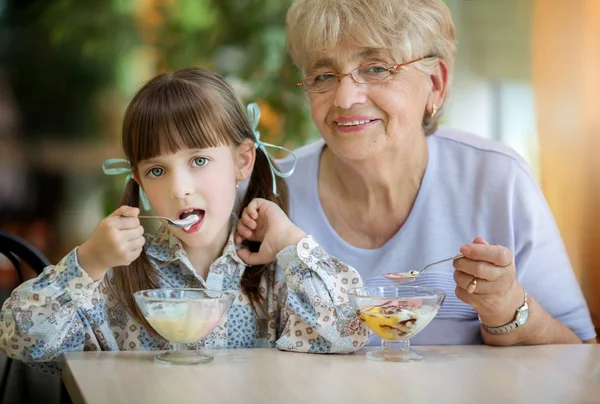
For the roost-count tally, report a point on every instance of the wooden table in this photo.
(448, 374)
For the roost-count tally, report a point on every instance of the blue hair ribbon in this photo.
(254, 115)
(108, 170)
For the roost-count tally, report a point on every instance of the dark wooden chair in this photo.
(18, 251)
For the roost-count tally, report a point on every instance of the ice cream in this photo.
(182, 329)
(396, 320)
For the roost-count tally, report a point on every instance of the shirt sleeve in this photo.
(316, 314)
(41, 318)
(543, 266)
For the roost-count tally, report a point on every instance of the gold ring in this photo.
(472, 285)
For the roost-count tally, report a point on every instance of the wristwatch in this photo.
(519, 321)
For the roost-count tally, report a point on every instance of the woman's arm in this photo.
(541, 328)
(538, 264)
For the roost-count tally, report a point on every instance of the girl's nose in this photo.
(181, 186)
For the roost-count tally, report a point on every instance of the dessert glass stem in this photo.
(180, 355)
(395, 351)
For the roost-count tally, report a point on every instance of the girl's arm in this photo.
(44, 316)
(316, 315)
(41, 318)
(315, 312)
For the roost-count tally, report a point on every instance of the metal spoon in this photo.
(400, 277)
(185, 223)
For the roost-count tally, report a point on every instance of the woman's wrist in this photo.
(507, 313)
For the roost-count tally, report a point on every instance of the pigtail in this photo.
(139, 275)
(261, 186)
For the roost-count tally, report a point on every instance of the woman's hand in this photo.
(116, 241)
(264, 221)
(486, 280)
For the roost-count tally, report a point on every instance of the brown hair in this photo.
(409, 29)
(188, 108)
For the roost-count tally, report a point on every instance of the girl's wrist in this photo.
(86, 262)
(291, 238)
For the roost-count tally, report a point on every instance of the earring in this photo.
(237, 185)
(434, 110)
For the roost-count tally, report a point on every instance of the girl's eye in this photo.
(156, 172)
(200, 161)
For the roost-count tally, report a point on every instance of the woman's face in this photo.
(358, 121)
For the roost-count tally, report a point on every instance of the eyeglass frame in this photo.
(340, 76)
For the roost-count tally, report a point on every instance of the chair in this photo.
(18, 250)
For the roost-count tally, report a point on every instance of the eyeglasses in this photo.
(322, 83)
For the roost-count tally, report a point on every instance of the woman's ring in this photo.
(472, 285)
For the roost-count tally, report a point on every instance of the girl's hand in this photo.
(116, 241)
(264, 221)
(486, 280)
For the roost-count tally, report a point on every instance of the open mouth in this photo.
(197, 212)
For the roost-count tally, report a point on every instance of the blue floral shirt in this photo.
(308, 309)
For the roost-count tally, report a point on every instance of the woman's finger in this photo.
(480, 269)
(494, 254)
(472, 284)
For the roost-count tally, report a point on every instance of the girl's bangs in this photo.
(171, 118)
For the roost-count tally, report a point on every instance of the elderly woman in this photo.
(387, 190)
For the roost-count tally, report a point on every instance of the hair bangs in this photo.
(170, 116)
(408, 29)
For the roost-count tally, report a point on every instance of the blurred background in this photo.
(526, 75)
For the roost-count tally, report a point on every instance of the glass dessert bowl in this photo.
(396, 313)
(182, 317)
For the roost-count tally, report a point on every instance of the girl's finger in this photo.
(247, 221)
(251, 258)
(129, 235)
(252, 209)
(244, 231)
(137, 244)
(237, 238)
(126, 210)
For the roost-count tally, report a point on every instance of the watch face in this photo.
(522, 316)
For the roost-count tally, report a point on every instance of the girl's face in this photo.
(197, 181)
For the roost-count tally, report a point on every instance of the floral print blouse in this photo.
(307, 308)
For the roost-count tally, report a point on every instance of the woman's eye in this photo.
(324, 77)
(377, 69)
(200, 161)
(156, 172)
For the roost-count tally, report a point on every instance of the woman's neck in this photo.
(202, 258)
(368, 201)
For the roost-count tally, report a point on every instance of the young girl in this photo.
(189, 144)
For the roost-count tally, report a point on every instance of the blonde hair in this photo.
(409, 29)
